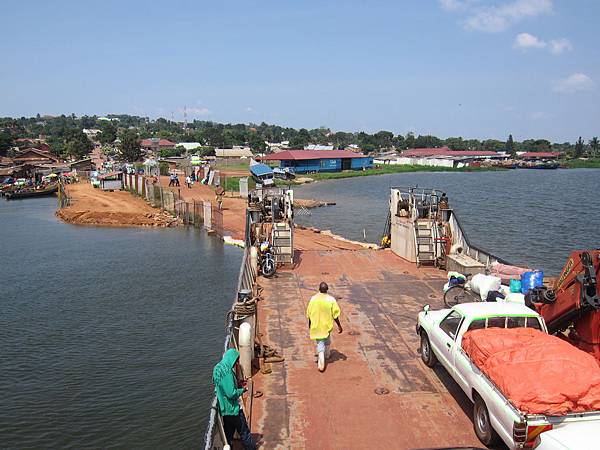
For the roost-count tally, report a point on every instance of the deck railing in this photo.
(459, 236)
(417, 197)
(214, 438)
(63, 198)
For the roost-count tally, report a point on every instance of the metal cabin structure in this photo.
(424, 229)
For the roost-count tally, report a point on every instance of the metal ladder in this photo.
(283, 248)
(424, 241)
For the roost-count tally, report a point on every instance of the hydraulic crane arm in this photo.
(577, 304)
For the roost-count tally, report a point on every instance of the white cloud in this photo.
(249, 109)
(559, 46)
(493, 19)
(525, 41)
(573, 83)
(451, 5)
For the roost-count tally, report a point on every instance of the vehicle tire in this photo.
(481, 424)
(427, 355)
(268, 268)
(455, 295)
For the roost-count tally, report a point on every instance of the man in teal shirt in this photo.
(228, 394)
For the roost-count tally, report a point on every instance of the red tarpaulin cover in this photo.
(538, 373)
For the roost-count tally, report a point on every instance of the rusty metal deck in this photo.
(380, 295)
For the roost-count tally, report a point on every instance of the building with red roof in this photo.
(303, 161)
(156, 144)
(540, 155)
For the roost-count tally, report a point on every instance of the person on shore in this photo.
(176, 180)
(321, 312)
(228, 394)
(219, 194)
(188, 182)
(172, 180)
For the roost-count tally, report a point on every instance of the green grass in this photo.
(232, 165)
(387, 169)
(232, 184)
(592, 163)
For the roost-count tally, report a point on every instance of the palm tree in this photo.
(594, 144)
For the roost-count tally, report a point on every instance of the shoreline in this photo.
(390, 169)
(94, 207)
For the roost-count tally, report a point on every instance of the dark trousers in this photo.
(238, 423)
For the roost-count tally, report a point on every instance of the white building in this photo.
(189, 146)
(318, 147)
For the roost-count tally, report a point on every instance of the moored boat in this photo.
(32, 192)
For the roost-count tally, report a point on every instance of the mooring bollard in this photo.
(246, 349)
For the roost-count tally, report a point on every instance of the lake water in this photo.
(107, 335)
(532, 217)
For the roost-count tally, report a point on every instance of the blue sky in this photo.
(471, 68)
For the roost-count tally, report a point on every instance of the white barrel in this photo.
(254, 259)
(246, 349)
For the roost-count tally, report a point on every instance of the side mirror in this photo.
(426, 309)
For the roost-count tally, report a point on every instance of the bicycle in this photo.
(460, 293)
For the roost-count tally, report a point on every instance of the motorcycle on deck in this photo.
(266, 260)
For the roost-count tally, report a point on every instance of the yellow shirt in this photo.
(322, 310)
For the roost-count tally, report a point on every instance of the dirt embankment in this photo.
(91, 206)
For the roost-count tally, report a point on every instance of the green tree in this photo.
(207, 151)
(510, 147)
(493, 145)
(130, 146)
(578, 153)
(108, 133)
(77, 144)
(399, 142)
(170, 152)
(301, 139)
(594, 145)
(409, 140)
(257, 143)
(6, 142)
(427, 141)
(455, 143)
(384, 139)
(57, 145)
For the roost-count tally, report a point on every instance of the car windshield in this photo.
(505, 322)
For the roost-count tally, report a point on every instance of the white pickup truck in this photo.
(494, 417)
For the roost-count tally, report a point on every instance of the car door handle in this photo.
(448, 344)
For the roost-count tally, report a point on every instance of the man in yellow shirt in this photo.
(322, 311)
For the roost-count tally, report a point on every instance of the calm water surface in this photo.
(107, 335)
(533, 217)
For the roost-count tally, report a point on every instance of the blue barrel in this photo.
(530, 280)
(515, 286)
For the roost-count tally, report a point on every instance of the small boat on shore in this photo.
(32, 192)
(261, 173)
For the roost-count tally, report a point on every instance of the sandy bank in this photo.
(91, 206)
